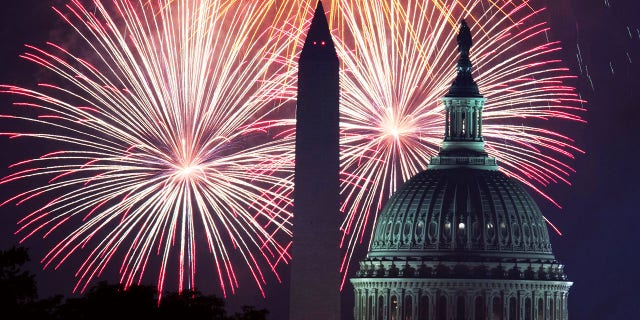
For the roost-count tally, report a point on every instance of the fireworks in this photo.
(176, 129)
(171, 143)
(398, 62)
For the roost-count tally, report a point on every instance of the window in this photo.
(460, 308)
(419, 232)
(513, 308)
(423, 308)
(540, 309)
(527, 309)
(408, 307)
(393, 308)
(447, 230)
(441, 309)
(497, 311)
(481, 312)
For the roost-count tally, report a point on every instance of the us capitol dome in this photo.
(461, 240)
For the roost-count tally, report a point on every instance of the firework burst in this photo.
(175, 129)
(170, 142)
(398, 62)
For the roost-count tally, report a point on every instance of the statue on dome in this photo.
(464, 39)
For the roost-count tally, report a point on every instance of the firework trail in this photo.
(399, 60)
(171, 141)
(621, 33)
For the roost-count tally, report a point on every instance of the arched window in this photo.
(380, 315)
(408, 307)
(513, 308)
(540, 309)
(552, 310)
(441, 309)
(527, 309)
(481, 312)
(393, 308)
(369, 308)
(497, 311)
(423, 308)
(460, 308)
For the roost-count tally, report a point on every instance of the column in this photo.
(480, 122)
(458, 122)
(447, 121)
(469, 120)
(357, 309)
(476, 124)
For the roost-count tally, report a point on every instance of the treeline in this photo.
(19, 300)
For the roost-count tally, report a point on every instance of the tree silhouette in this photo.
(19, 300)
(18, 290)
(112, 301)
(250, 313)
(192, 305)
(19, 286)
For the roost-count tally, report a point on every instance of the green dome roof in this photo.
(461, 214)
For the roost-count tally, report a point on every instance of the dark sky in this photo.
(599, 218)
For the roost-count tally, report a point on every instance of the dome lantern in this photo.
(463, 144)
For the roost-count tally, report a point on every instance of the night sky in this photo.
(599, 216)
